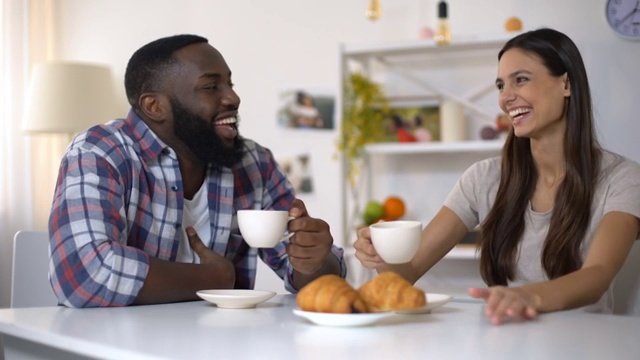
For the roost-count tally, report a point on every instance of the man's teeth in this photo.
(519, 111)
(231, 120)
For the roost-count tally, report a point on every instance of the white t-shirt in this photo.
(618, 189)
(195, 213)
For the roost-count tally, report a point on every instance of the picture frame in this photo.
(298, 168)
(308, 109)
(417, 117)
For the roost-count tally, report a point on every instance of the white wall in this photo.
(279, 44)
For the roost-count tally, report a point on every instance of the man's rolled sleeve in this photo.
(90, 264)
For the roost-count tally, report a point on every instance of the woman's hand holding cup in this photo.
(390, 242)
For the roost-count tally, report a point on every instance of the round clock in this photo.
(624, 18)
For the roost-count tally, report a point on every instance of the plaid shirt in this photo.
(119, 200)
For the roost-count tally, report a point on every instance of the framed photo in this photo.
(417, 118)
(298, 170)
(306, 109)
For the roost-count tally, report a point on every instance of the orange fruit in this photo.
(393, 208)
(513, 24)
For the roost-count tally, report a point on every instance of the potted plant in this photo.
(365, 108)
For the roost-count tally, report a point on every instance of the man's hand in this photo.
(170, 281)
(225, 270)
(207, 256)
(310, 247)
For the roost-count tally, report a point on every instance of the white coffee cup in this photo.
(263, 228)
(396, 241)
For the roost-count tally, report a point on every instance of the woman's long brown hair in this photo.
(502, 230)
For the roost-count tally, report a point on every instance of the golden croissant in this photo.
(390, 291)
(331, 294)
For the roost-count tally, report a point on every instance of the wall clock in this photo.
(623, 17)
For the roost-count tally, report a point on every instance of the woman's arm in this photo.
(607, 253)
(611, 245)
(441, 234)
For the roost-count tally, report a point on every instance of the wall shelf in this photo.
(459, 252)
(435, 147)
(462, 252)
(363, 52)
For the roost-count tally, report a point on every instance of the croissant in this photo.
(390, 291)
(332, 294)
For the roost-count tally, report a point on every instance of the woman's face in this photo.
(532, 97)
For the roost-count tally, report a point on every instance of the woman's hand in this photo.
(365, 252)
(504, 304)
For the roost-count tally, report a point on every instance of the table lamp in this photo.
(68, 97)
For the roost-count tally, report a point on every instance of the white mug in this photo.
(263, 228)
(396, 241)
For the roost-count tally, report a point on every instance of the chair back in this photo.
(30, 286)
(626, 286)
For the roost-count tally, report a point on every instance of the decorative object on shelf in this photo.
(489, 133)
(623, 16)
(392, 208)
(513, 24)
(502, 127)
(443, 33)
(412, 121)
(373, 212)
(453, 126)
(364, 110)
(373, 10)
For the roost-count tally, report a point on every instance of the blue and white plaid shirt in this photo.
(119, 200)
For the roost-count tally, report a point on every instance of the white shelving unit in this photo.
(422, 69)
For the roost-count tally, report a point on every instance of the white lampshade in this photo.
(68, 97)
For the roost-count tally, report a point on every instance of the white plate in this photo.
(433, 301)
(237, 298)
(331, 319)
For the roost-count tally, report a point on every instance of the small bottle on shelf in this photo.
(443, 34)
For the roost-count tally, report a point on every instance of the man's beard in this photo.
(196, 133)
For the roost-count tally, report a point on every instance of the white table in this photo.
(199, 330)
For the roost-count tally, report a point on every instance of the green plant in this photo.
(364, 110)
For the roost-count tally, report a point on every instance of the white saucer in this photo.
(236, 298)
(332, 319)
(433, 301)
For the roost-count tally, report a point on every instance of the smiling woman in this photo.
(557, 212)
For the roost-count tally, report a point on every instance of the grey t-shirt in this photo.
(618, 189)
